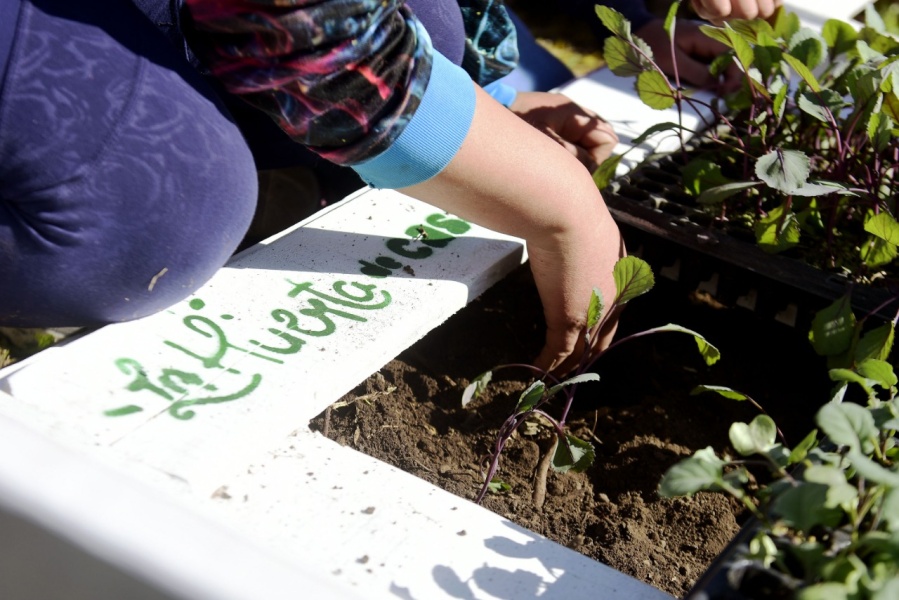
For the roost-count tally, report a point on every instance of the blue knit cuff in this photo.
(503, 93)
(432, 136)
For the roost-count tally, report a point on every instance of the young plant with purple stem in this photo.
(805, 155)
(633, 277)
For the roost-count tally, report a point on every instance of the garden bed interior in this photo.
(640, 417)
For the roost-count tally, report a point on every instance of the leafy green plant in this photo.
(805, 155)
(633, 277)
(826, 523)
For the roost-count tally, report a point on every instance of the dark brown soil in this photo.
(640, 417)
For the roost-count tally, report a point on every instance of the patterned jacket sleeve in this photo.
(342, 77)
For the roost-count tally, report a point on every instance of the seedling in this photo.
(633, 277)
(827, 524)
(805, 155)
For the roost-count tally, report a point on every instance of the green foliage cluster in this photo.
(633, 277)
(806, 152)
(828, 519)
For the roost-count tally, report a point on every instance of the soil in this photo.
(640, 417)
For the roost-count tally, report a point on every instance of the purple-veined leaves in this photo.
(614, 21)
(655, 91)
(784, 170)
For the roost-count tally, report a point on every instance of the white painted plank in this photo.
(135, 528)
(308, 519)
(208, 380)
(384, 530)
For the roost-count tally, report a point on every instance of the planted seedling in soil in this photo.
(633, 277)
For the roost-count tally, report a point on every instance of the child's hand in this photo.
(580, 131)
(511, 178)
(718, 11)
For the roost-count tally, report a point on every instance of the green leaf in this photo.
(702, 471)
(603, 176)
(734, 40)
(658, 128)
(822, 188)
(822, 105)
(877, 252)
(839, 36)
(756, 437)
(571, 381)
(804, 506)
(726, 392)
(709, 353)
(777, 231)
(802, 448)
(867, 54)
(890, 509)
(622, 58)
(891, 104)
(807, 46)
(633, 277)
(850, 376)
(884, 226)
(477, 387)
(670, 18)
(573, 454)
(498, 486)
(719, 193)
(873, 19)
(780, 98)
(786, 23)
(700, 174)
(831, 590)
(889, 591)
(752, 30)
(594, 310)
(839, 491)
(833, 328)
(803, 71)
(655, 91)
(876, 343)
(870, 470)
(878, 371)
(530, 397)
(614, 21)
(784, 170)
(847, 424)
(879, 129)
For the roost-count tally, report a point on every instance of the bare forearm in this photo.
(509, 177)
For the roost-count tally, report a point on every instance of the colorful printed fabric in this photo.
(342, 77)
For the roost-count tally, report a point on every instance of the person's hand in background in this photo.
(718, 11)
(579, 130)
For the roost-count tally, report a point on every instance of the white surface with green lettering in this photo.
(199, 416)
(277, 335)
